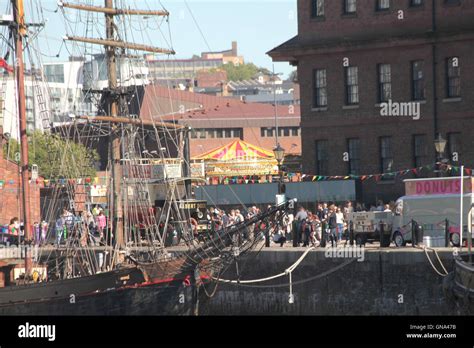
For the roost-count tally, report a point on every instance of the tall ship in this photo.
(147, 260)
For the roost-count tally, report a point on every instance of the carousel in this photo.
(238, 159)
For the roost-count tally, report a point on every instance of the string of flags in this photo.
(377, 177)
(394, 175)
(254, 179)
(53, 182)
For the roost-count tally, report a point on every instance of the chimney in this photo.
(225, 92)
(234, 48)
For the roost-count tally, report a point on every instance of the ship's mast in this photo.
(112, 103)
(19, 31)
(112, 96)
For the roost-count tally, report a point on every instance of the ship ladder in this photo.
(42, 105)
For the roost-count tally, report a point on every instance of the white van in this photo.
(430, 202)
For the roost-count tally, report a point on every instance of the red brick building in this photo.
(10, 191)
(217, 121)
(352, 56)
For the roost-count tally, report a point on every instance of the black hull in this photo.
(101, 295)
(152, 300)
(459, 286)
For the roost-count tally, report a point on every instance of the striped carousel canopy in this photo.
(236, 150)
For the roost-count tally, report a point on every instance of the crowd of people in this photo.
(303, 227)
(327, 224)
(89, 225)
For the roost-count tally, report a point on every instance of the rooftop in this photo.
(163, 103)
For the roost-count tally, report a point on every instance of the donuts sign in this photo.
(447, 186)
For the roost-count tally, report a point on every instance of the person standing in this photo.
(44, 232)
(340, 223)
(348, 209)
(289, 225)
(59, 229)
(37, 230)
(332, 222)
(323, 217)
(101, 224)
(300, 217)
(317, 227)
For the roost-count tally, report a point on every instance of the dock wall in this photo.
(387, 282)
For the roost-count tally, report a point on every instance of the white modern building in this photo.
(131, 71)
(9, 103)
(64, 89)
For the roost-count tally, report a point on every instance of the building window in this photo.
(383, 5)
(454, 146)
(418, 80)
(322, 157)
(386, 156)
(385, 82)
(350, 6)
(352, 85)
(353, 146)
(453, 76)
(320, 88)
(317, 8)
(267, 132)
(419, 150)
(198, 134)
(238, 133)
(415, 3)
(54, 73)
(282, 132)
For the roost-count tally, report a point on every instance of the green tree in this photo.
(240, 72)
(293, 77)
(55, 157)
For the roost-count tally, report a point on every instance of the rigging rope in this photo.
(286, 272)
(425, 249)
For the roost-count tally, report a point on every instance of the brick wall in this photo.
(368, 22)
(367, 39)
(10, 193)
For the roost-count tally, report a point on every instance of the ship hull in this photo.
(459, 285)
(124, 292)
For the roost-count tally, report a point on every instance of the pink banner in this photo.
(437, 187)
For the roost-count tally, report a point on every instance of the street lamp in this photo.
(279, 153)
(440, 145)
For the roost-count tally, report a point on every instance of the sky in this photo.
(195, 26)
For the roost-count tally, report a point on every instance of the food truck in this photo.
(371, 227)
(434, 204)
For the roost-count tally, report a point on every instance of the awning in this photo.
(237, 150)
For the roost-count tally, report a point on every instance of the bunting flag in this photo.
(377, 177)
(4, 65)
(289, 177)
